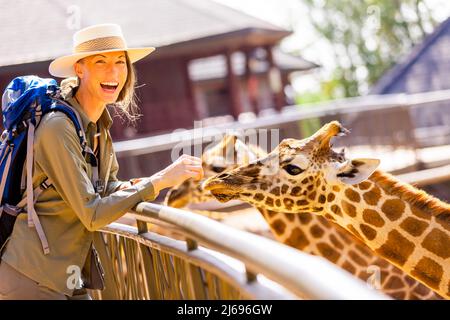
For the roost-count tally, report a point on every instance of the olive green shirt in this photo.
(70, 211)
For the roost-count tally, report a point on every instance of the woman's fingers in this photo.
(186, 159)
(191, 162)
(183, 168)
(191, 157)
(195, 174)
(193, 167)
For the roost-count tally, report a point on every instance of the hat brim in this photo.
(62, 67)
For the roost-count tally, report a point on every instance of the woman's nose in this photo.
(113, 70)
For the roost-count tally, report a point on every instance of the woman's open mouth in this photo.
(109, 87)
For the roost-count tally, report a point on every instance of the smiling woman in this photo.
(82, 192)
(107, 78)
(111, 66)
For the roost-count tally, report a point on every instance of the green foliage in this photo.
(367, 37)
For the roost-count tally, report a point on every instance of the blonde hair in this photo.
(125, 106)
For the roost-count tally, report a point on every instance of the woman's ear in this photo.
(358, 170)
(78, 69)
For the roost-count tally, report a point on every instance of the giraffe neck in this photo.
(315, 235)
(405, 226)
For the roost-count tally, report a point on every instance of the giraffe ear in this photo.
(358, 170)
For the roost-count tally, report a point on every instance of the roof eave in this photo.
(215, 44)
(392, 74)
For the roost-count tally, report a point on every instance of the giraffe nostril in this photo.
(223, 175)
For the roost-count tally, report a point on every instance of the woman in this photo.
(72, 208)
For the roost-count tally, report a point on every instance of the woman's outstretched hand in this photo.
(183, 168)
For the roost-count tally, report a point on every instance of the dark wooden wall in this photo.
(165, 98)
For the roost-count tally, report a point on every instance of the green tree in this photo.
(368, 36)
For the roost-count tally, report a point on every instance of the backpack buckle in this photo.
(14, 132)
(45, 185)
(99, 186)
(11, 210)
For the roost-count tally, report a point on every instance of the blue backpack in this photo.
(24, 102)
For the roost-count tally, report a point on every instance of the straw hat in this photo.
(94, 40)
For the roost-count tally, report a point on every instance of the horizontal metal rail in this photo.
(427, 176)
(304, 275)
(205, 259)
(289, 114)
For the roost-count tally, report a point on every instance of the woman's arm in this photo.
(114, 183)
(58, 153)
(168, 177)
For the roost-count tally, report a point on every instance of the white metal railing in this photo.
(426, 176)
(304, 275)
(228, 270)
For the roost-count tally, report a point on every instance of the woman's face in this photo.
(103, 75)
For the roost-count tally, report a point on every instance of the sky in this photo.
(293, 15)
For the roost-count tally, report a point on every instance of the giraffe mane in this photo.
(416, 197)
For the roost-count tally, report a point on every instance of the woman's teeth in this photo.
(109, 86)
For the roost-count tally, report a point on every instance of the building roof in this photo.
(426, 68)
(215, 67)
(41, 30)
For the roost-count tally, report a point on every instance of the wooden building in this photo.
(424, 69)
(210, 61)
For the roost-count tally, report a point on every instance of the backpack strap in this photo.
(34, 193)
(47, 183)
(33, 219)
(6, 169)
(87, 151)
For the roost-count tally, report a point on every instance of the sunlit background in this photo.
(298, 15)
(274, 69)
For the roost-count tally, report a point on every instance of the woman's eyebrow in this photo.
(104, 57)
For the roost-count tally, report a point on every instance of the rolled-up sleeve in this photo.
(114, 183)
(58, 153)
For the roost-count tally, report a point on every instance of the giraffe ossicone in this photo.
(402, 224)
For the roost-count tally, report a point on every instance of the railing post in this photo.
(284, 265)
(142, 227)
(191, 244)
(250, 276)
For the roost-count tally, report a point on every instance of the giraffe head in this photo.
(297, 176)
(228, 154)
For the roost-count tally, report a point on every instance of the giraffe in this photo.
(320, 235)
(400, 223)
(224, 155)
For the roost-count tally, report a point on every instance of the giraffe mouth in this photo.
(177, 200)
(223, 195)
(221, 191)
(178, 197)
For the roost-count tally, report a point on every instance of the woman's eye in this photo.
(293, 170)
(121, 62)
(218, 169)
(100, 61)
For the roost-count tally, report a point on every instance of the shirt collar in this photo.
(105, 118)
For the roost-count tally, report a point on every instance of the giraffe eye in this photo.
(292, 170)
(218, 169)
